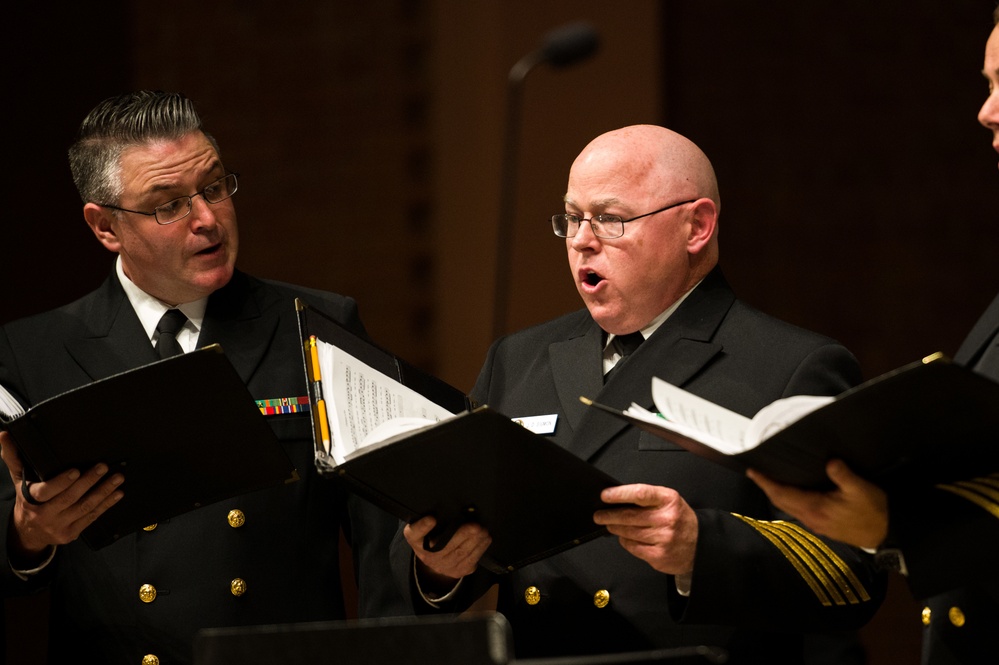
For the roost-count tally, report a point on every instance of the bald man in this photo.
(700, 559)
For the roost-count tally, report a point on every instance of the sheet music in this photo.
(725, 429)
(10, 408)
(360, 398)
(778, 415)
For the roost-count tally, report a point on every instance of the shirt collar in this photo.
(150, 309)
(659, 320)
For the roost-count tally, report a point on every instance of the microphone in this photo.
(562, 47)
(570, 43)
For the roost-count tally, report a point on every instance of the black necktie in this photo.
(171, 321)
(625, 345)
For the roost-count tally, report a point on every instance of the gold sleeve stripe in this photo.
(980, 486)
(836, 586)
(807, 557)
(834, 564)
(983, 492)
(991, 480)
(793, 560)
(825, 573)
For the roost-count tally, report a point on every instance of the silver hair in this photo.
(132, 119)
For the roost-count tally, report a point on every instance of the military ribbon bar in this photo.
(279, 405)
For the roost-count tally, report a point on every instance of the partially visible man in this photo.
(699, 556)
(157, 194)
(947, 542)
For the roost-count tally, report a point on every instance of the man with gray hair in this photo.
(156, 193)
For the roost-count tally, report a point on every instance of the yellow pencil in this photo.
(320, 410)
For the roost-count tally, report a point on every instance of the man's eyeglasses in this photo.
(180, 207)
(604, 226)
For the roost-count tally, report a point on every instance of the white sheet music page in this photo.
(777, 415)
(699, 418)
(359, 398)
(10, 408)
(725, 430)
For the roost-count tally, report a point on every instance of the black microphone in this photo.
(570, 43)
(562, 47)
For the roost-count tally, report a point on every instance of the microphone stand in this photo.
(563, 46)
(508, 185)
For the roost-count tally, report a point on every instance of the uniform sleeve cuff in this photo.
(433, 601)
(24, 574)
(682, 583)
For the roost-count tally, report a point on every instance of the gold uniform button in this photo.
(956, 616)
(532, 595)
(927, 615)
(236, 518)
(601, 598)
(150, 659)
(237, 587)
(151, 527)
(147, 593)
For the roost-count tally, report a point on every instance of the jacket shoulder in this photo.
(569, 325)
(75, 318)
(747, 320)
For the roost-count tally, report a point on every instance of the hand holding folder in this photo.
(471, 464)
(855, 512)
(153, 424)
(928, 422)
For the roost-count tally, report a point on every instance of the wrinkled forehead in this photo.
(166, 164)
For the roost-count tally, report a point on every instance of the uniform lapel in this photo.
(680, 349)
(116, 341)
(576, 368)
(235, 319)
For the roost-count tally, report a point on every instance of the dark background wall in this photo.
(859, 192)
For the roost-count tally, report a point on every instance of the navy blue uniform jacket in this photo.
(286, 552)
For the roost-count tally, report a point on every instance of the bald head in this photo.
(664, 188)
(656, 159)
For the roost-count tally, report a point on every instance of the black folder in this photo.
(315, 322)
(184, 431)
(535, 497)
(929, 422)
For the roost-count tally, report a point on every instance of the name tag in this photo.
(539, 424)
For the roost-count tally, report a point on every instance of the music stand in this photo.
(474, 640)
(479, 639)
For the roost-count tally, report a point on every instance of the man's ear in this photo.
(104, 225)
(703, 225)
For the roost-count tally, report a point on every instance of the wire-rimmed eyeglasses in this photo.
(604, 226)
(180, 207)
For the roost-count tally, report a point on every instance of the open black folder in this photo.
(534, 497)
(928, 422)
(184, 431)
